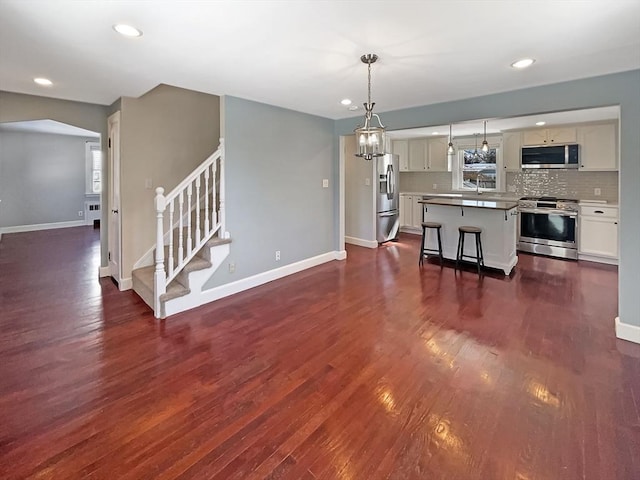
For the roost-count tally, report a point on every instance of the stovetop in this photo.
(552, 203)
(549, 199)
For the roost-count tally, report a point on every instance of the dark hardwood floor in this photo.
(371, 368)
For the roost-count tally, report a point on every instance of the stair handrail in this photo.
(214, 220)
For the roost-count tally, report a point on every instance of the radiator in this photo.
(91, 212)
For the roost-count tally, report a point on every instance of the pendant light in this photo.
(370, 139)
(450, 150)
(485, 144)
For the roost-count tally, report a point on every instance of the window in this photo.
(477, 170)
(94, 168)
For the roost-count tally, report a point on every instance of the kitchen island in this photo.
(498, 220)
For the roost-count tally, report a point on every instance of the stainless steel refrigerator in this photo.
(387, 197)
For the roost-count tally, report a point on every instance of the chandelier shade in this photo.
(370, 139)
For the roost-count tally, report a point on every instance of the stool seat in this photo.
(431, 224)
(423, 250)
(460, 255)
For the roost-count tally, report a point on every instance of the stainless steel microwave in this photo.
(551, 156)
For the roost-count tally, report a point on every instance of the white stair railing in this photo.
(206, 184)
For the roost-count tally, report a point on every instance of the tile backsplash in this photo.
(536, 183)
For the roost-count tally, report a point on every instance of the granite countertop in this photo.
(468, 196)
(461, 202)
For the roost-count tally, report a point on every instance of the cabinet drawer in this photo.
(596, 211)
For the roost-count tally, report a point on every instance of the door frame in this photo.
(114, 237)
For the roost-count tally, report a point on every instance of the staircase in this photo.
(192, 246)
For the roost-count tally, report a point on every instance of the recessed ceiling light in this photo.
(353, 107)
(434, 133)
(541, 123)
(127, 30)
(524, 63)
(45, 82)
(345, 101)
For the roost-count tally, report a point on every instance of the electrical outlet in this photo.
(80, 213)
(325, 183)
(435, 186)
(367, 182)
(277, 255)
(597, 192)
(232, 267)
(148, 183)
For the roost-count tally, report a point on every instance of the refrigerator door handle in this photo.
(393, 214)
(390, 181)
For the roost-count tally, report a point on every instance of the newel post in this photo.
(159, 276)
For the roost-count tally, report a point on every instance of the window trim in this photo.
(91, 146)
(458, 160)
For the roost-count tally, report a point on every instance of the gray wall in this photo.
(617, 89)
(164, 135)
(359, 200)
(42, 178)
(275, 161)
(15, 107)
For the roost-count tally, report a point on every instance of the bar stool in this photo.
(424, 250)
(479, 258)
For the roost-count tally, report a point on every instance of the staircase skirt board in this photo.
(199, 297)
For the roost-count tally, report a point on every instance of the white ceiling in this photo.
(304, 54)
(47, 126)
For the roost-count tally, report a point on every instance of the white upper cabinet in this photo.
(437, 154)
(549, 136)
(427, 155)
(512, 146)
(598, 150)
(401, 148)
(418, 148)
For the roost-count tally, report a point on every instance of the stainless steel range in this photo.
(548, 226)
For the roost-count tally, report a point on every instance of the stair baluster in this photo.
(189, 240)
(170, 263)
(198, 209)
(206, 202)
(180, 228)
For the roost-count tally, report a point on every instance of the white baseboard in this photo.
(361, 242)
(594, 258)
(340, 254)
(628, 332)
(41, 226)
(265, 277)
(104, 272)
(125, 284)
(412, 230)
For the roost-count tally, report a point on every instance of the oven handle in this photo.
(563, 213)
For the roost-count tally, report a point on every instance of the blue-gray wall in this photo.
(275, 161)
(42, 178)
(617, 89)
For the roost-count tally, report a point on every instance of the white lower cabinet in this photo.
(598, 240)
(411, 213)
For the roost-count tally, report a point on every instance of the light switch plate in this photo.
(148, 183)
(325, 183)
(367, 181)
(597, 192)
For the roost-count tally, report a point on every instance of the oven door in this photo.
(557, 228)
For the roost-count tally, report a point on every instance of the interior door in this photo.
(114, 239)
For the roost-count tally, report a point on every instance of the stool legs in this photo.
(424, 250)
(424, 237)
(479, 253)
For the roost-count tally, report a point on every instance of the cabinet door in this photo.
(598, 147)
(561, 135)
(417, 212)
(418, 154)
(512, 147)
(534, 137)
(598, 236)
(437, 154)
(401, 148)
(406, 212)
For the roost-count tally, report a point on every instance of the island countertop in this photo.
(459, 202)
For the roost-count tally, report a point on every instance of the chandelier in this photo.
(370, 139)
